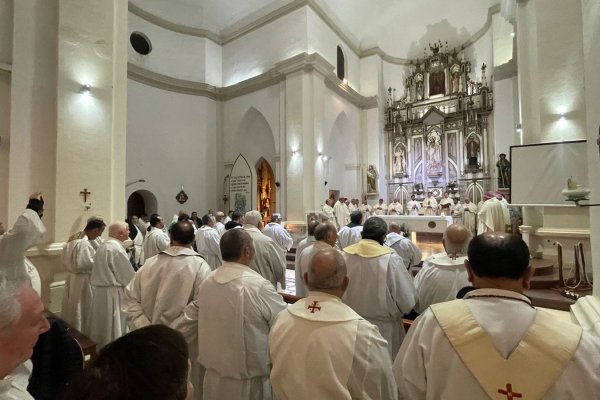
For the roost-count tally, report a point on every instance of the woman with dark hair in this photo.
(150, 363)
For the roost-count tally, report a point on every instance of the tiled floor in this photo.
(428, 244)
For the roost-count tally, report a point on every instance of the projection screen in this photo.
(539, 172)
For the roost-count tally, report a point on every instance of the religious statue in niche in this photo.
(472, 152)
(399, 165)
(434, 154)
(503, 171)
(419, 87)
(455, 81)
(371, 179)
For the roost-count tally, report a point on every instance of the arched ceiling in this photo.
(401, 28)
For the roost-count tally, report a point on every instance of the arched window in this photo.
(341, 64)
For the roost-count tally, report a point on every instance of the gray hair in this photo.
(10, 307)
(252, 217)
(329, 273)
(116, 227)
(323, 230)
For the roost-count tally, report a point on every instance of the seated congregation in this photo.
(190, 324)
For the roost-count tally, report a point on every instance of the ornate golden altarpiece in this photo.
(438, 130)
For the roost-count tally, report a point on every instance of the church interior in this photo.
(111, 106)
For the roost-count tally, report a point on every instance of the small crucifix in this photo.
(314, 307)
(85, 194)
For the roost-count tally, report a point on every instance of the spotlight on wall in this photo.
(562, 115)
(325, 158)
(294, 152)
(512, 34)
(345, 81)
(85, 89)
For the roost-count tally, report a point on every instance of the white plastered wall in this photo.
(257, 51)
(323, 40)
(171, 141)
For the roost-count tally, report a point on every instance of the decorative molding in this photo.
(228, 34)
(172, 26)
(50, 249)
(352, 167)
(505, 71)
(232, 33)
(568, 233)
(586, 312)
(6, 67)
(302, 62)
(165, 82)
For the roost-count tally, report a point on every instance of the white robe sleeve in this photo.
(84, 257)
(270, 302)
(122, 269)
(25, 233)
(371, 375)
(400, 284)
(409, 365)
(132, 305)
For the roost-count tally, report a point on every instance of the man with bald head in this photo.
(493, 343)
(325, 341)
(410, 253)
(444, 274)
(268, 258)
(325, 237)
(111, 273)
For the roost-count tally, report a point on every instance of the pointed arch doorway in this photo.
(266, 193)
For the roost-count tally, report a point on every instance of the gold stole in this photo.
(531, 369)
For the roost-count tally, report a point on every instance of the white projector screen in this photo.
(540, 171)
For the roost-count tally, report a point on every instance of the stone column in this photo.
(90, 138)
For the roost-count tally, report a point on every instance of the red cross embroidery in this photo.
(510, 395)
(314, 307)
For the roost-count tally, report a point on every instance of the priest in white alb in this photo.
(236, 309)
(268, 259)
(366, 209)
(329, 212)
(156, 239)
(78, 258)
(350, 233)
(395, 208)
(470, 215)
(323, 340)
(165, 289)
(25, 233)
(413, 206)
(381, 290)
(445, 205)
(493, 344)
(207, 242)
(279, 234)
(491, 216)
(341, 212)
(326, 237)
(403, 246)
(430, 205)
(457, 210)
(380, 208)
(111, 273)
(444, 274)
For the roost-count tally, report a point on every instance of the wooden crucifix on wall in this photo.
(85, 194)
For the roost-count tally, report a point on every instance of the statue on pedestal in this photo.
(503, 171)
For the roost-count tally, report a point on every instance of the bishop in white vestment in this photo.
(491, 216)
(445, 205)
(458, 211)
(323, 340)
(380, 208)
(395, 208)
(329, 212)
(470, 215)
(341, 212)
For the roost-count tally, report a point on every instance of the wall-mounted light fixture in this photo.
(85, 89)
(294, 152)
